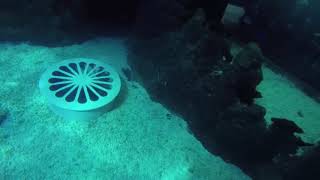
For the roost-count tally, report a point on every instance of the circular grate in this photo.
(80, 84)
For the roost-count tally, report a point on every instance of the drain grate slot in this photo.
(82, 96)
(72, 96)
(58, 86)
(65, 69)
(63, 74)
(63, 92)
(100, 91)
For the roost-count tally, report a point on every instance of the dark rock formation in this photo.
(240, 134)
(284, 126)
(243, 128)
(281, 138)
(187, 70)
(192, 72)
(248, 62)
(157, 16)
(305, 166)
(288, 33)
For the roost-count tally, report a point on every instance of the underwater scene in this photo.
(160, 89)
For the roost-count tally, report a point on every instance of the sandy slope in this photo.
(138, 140)
(283, 99)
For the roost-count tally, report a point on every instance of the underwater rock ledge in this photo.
(192, 72)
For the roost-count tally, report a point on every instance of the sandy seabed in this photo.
(284, 99)
(138, 140)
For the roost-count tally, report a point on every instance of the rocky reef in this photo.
(191, 71)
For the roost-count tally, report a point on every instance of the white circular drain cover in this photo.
(80, 84)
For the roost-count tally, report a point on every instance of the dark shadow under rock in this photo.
(305, 166)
